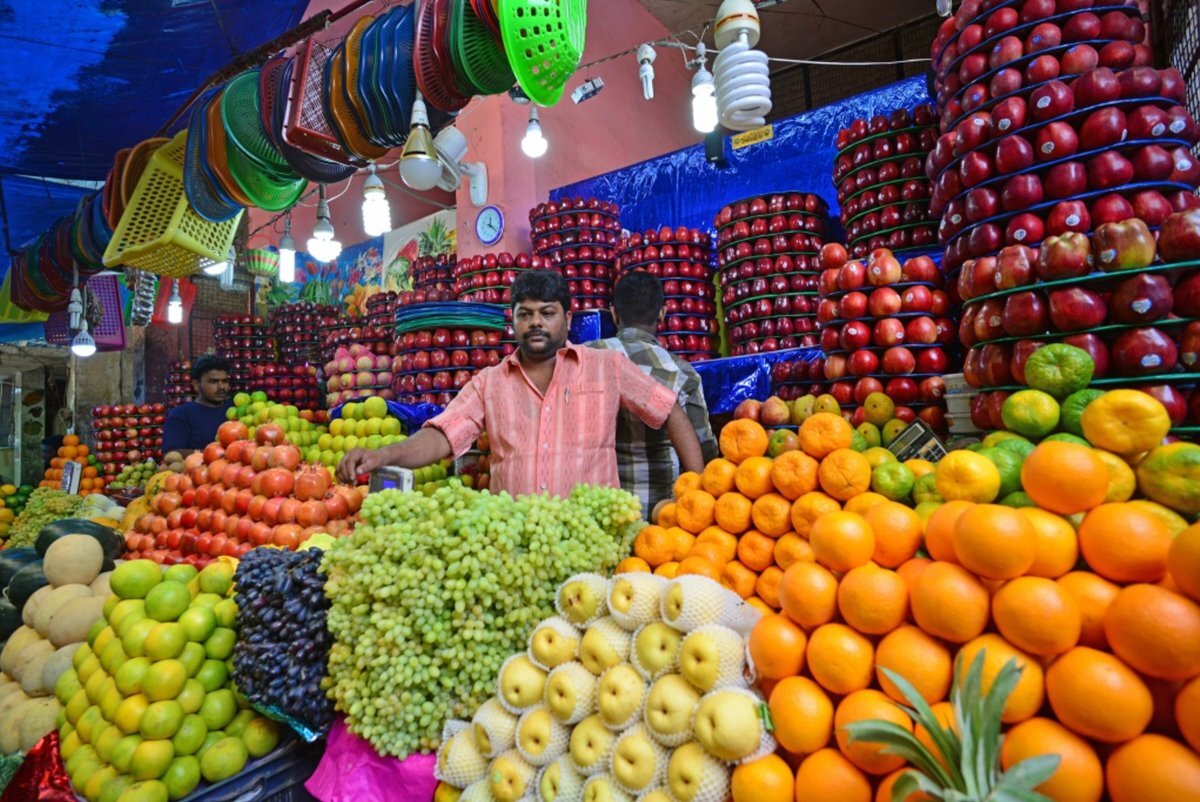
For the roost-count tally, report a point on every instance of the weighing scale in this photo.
(390, 478)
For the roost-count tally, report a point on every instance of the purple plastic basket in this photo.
(110, 334)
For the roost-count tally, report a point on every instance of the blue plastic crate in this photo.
(278, 777)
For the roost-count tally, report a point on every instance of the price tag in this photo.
(748, 138)
(72, 472)
(918, 441)
(391, 478)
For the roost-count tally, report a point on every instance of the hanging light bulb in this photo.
(704, 96)
(175, 305)
(377, 215)
(322, 245)
(287, 253)
(534, 145)
(645, 57)
(419, 165)
(741, 73)
(217, 268)
(83, 345)
(75, 308)
(944, 7)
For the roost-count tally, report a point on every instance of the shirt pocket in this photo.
(588, 418)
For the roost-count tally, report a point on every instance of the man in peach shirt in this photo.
(550, 408)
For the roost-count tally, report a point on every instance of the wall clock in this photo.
(489, 225)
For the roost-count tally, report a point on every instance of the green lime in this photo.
(894, 480)
(1018, 499)
(925, 489)
(1065, 437)
(1033, 413)
(1017, 445)
(1073, 406)
(1009, 465)
(858, 442)
(1059, 369)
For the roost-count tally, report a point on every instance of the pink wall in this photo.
(613, 129)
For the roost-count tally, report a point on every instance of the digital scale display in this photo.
(390, 478)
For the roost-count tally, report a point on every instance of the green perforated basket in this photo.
(544, 40)
(241, 116)
(478, 53)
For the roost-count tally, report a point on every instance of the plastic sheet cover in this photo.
(352, 771)
(733, 379)
(683, 189)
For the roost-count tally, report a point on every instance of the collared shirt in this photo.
(550, 443)
(646, 462)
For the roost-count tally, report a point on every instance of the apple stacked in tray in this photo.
(434, 273)
(432, 365)
(682, 259)
(177, 386)
(885, 327)
(297, 330)
(344, 332)
(881, 184)
(1053, 121)
(246, 341)
(576, 236)
(357, 371)
(381, 309)
(766, 261)
(1131, 302)
(792, 379)
(294, 384)
(127, 434)
(488, 277)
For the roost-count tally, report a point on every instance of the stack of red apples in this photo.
(293, 384)
(432, 365)
(177, 386)
(297, 329)
(766, 260)
(433, 273)
(577, 236)
(127, 434)
(682, 259)
(488, 278)
(881, 182)
(246, 341)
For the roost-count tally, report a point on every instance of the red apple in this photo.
(1025, 227)
(1056, 141)
(898, 360)
(1111, 208)
(1179, 237)
(1127, 245)
(1151, 206)
(1021, 192)
(1081, 27)
(921, 330)
(1171, 398)
(1014, 267)
(1025, 313)
(1043, 68)
(1068, 216)
(932, 360)
(1118, 55)
(1103, 127)
(1108, 170)
(1143, 352)
(1141, 299)
(1051, 100)
(1013, 153)
(862, 363)
(1065, 180)
(1189, 350)
(1021, 351)
(889, 331)
(1097, 86)
(884, 301)
(1187, 295)
(1076, 309)
(1079, 59)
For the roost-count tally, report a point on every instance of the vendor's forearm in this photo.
(683, 439)
(423, 448)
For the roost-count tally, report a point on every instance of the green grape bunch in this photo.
(434, 591)
(46, 505)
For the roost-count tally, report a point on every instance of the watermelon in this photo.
(10, 619)
(25, 583)
(110, 539)
(13, 560)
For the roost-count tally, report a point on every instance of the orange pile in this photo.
(73, 451)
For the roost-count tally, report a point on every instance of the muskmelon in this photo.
(74, 559)
(100, 586)
(58, 664)
(29, 611)
(109, 539)
(15, 645)
(27, 657)
(53, 602)
(11, 709)
(34, 669)
(37, 720)
(73, 620)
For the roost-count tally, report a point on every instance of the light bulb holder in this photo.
(175, 305)
(83, 345)
(373, 184)
(534, 144)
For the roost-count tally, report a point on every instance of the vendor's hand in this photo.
(357, 462)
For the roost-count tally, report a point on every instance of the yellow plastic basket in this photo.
(158, 231)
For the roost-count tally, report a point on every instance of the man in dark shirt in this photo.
(192, 426)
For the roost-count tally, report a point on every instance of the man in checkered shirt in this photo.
(646, 463)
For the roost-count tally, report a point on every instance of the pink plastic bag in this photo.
(352, 771)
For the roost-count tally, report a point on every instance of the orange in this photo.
(1183, 561)
(884, 792)
(738, 578)
(791, 549)
(725, 543)
(1174, 522)
(840, 659)
(1187, 712)
(803, 715)
(873, 600)
(844, 474)
(1093, 595)
(699, 566)
(1038, 615)
(777, 646)
(71, 440)
(827, 776)
(823, 433)
(1057, 543)
(1079, 776)
(897, 531)
(1155, 631)
(1124, 543)
(668, 569)
(1153, 768)
(667, 515)
(767, 586)
(1027, 697)
(756, 551)
(695, 511)
(939, 530)
(949, 603)
(912, 569)
(688, 480)
(753, 477)
(808, 508)
(794, 473)
(718, 477)
(733, 512)
(967, 476)
(1170, 475)
(943, 714)
(1121, 480)
(864, 501)
(741, 439)
(681, 542)
(768, 779)
(867, 705)
(922, 660)
(1097, 696)
(994, 541)
(842, 540)
(713, 552)
(1125, 422)
(760, 605)
(772, 514)
(808, 594)
(1065, 477)
(654, 545)
(632, 565)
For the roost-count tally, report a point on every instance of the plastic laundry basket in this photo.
(159, 232)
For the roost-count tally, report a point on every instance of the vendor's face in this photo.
(213, 387)
(541, 328)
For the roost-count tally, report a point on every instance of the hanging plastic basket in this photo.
(262, 262)
(544, 40)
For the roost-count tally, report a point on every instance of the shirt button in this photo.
(543, 486)
(545, 445)
(546, 409)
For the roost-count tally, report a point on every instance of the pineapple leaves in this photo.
(1029, 774)
(899, 741)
